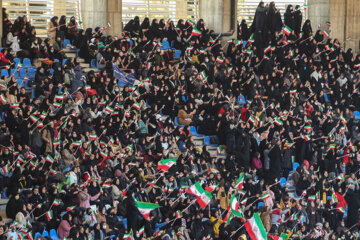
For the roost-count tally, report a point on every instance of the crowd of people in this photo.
(94, 158)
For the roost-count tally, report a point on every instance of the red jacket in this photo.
(3, 58)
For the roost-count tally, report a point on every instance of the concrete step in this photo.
(66, 50)
(88, 69)
(85, 65)
(71, 55)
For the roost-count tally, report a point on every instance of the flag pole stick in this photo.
(237, 230)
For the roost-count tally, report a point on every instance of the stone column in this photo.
(1, 15)
(352, 25)
(212, 13)
(114, 15)
(94, 13)
(318, 12)
(220, 15)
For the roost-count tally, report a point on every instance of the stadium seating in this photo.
(66, 42)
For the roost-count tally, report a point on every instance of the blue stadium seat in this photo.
(357, 115)
(326, 98)
(208, 143)
(54, 235)
(37, 236)
(31, 72)
(52, 71)
(121, 84)
(56, 60)
(12, 71)
(66, 42)
(172, 43)
(176, 122)
(282, 182)
(64, 61)
(45, 234)
(16, 61)
(295, 166)
(177, 54)
(22, 72)
(27, 62)
(4, 72)
(165, 45)
(93, 63)
(21, 82)
(194, 132)
(260, 204)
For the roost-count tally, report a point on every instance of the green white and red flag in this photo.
(255, 228)
(49, 215)
(203, 197)
(287, 30)
(145, 208)
(166, 164)
(240, 182)
(235, 207)
(195, 32)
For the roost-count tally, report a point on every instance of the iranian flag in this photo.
(196, 32)
(240, 182)
(166, 164)
(6, 169)
(145, 208)
(211, 188)
(49, 215)
(203, 197)
(148, 65)
(326, 34)
(235, 207)
(39, 206)
(190, 22)
(70, 208)
(219, 60)
(109, 109)
(56, 202)
(251, 39)
(341, 209)
(265, 196)
(49, 159)
(287, 30)
(15, 105)
(255, 228)
(3, 98)
(283, 236)
(178, 214)
(76, 144)
(109, 25)
(311, 198)
(92, 136)
(136, 106)
(219, 150)
(341, 177)
(141, 230)
(268, 49)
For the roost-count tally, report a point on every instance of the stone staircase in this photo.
(71, 53)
